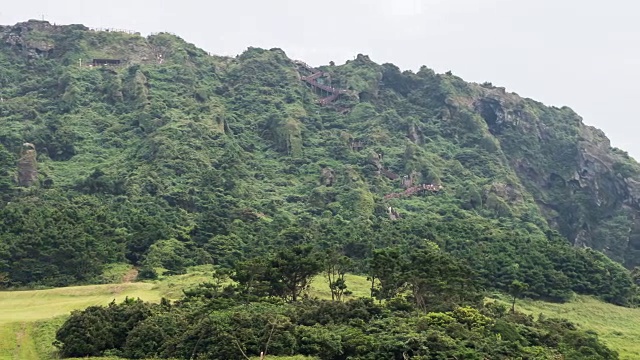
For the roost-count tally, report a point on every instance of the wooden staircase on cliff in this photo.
(415, 190)
(329, 93)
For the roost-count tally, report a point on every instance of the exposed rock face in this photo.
(37, 39)
(414, 134)
(491, 109)
(587, 190)
(27, 166)
(505, 191)
(328, 177)
(22, 36)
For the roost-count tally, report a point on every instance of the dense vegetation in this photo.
(430, 313)
(197, 159)
(177, 158)
(326, 330)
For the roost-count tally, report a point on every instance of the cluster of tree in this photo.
(264, 314)
(332, 331)
(431, 277)
(57, 241)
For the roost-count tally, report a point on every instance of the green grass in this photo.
(36, 305)
(358, 285)
(114, 273)
(29, 319)
(44, 333)
(17, 341)
(618, 327)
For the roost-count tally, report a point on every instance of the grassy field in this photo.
(358, 285)
(29, 319)
(617, 326)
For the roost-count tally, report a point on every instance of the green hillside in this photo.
(194, 159)
(148, 151)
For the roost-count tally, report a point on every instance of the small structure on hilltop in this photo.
(124, 31)
(107, 62)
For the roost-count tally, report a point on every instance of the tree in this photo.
(386, 267)
(292, 270)
(515, 290)
(170, 254)
(438, 280)
(96, 329)
(253, 277)
(7, 163)
(635, 275)
(336, 266)
(285, 274)
(4, 280)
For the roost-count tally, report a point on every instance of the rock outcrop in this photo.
(27, 166)
(23, 36)
(587, 190)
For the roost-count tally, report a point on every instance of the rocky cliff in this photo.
(584, 187)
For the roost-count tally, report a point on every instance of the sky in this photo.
(584, 54)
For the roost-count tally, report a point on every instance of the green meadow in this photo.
(29, 319)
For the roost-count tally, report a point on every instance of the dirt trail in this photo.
(25, 347)
(20, 339)
(130, 276)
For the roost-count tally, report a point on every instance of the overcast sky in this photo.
(581, 53)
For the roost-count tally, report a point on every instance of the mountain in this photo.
(122, 148)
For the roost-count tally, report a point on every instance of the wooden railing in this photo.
(311, 80)
(130, 32)
(422, 188)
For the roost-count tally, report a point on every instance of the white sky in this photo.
(581, 53)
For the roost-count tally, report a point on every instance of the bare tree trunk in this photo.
(373, 284)
(340, 292)
(266, 348)
(240, 348)
(331, 281)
